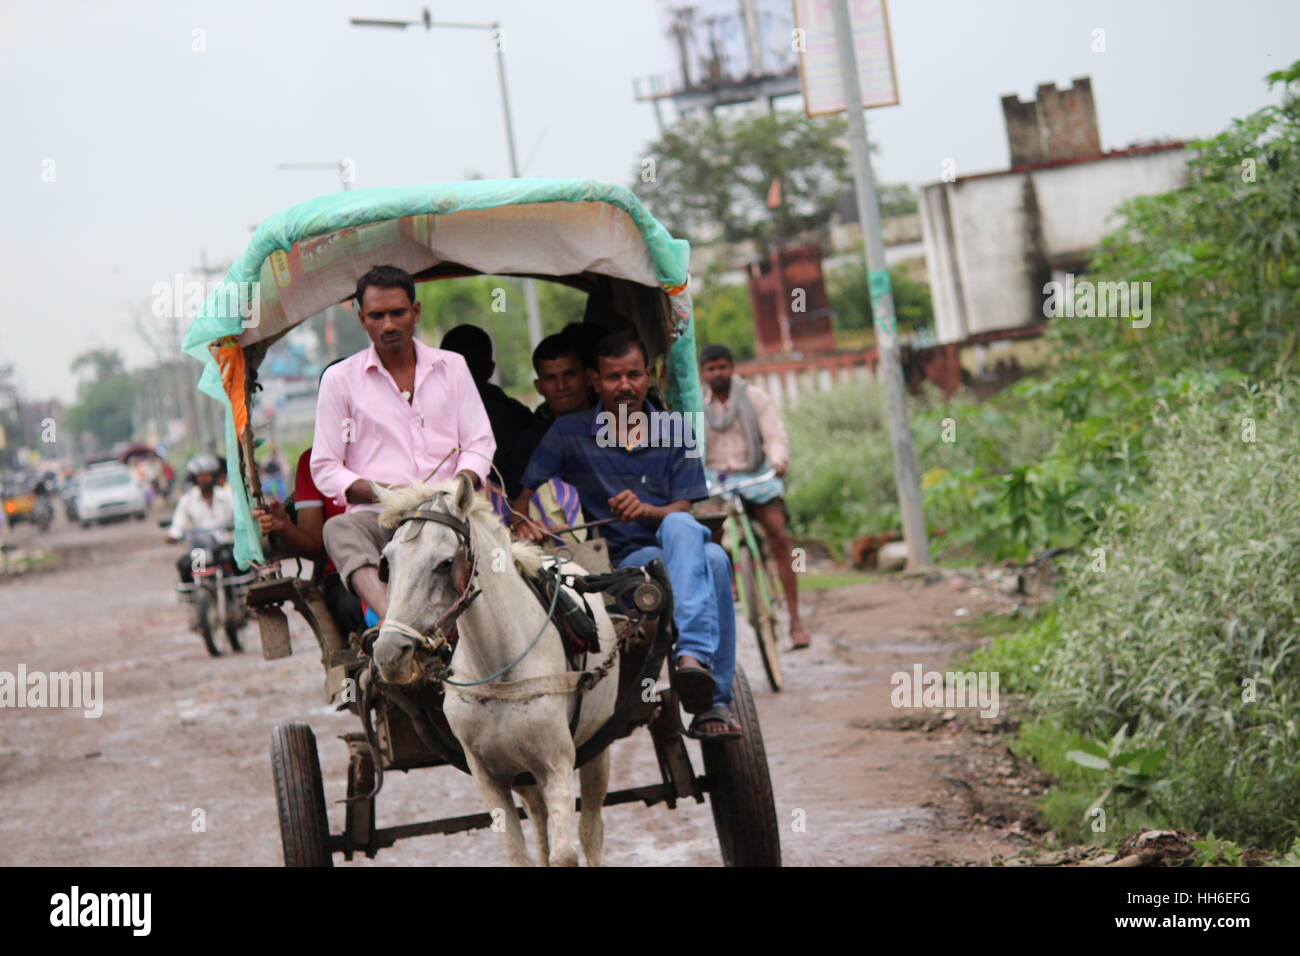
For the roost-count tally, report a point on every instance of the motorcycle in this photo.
(219, 593)
(43, 513)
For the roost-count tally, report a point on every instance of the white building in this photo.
(993, 240)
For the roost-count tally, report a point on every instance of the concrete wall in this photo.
(1057, 124)
(991, 241)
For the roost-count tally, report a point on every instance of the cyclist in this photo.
(745, 438)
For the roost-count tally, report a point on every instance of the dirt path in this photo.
(181, 732)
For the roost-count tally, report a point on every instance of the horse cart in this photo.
(593, 237)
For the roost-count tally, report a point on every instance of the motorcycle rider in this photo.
(207, 505)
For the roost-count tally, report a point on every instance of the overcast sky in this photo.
(160, 152)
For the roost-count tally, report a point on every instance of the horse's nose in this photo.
(393, 654)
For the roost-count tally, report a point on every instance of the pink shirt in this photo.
(727, 451)
(365, 429)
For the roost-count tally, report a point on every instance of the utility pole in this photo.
(498, 45)
(888, 369)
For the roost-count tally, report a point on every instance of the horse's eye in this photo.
(444, 565)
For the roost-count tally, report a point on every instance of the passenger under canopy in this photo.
(592, 236)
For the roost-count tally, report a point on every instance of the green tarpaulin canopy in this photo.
(308, 257)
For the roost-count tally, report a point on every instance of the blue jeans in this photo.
(700, 574)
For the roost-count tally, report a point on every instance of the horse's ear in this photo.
(464, 493)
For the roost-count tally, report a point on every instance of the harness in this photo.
(548, 586)
(635, 584)
(437, 635)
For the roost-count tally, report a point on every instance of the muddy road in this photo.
(857, 782)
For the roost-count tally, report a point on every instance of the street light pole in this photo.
(888, 367)
(498, 45)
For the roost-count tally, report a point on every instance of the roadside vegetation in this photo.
(1162, 684)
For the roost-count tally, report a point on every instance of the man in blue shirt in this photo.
(628, 463)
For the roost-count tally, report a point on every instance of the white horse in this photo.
(504, 729)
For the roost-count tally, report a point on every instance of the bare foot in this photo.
(799, 638)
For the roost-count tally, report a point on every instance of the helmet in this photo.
(202, 464)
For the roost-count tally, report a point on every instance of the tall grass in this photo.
(1182, 620)
(841, 482)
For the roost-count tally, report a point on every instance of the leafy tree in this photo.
(723, 317)
(1220, 254)
(105, 397)
(101, 363)
(898, 199)
(850, 297)
(711, 176)
(496, 305)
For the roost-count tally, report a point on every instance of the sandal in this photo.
(720, 713)
(695, 687)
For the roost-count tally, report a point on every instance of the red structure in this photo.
(792, 312)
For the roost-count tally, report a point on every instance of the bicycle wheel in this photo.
(761, 616)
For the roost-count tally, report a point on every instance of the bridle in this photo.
(435, 636)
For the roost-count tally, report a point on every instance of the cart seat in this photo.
(592, 555)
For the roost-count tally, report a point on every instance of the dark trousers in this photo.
(343, 605)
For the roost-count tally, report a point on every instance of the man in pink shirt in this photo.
(389, 416)
(746, 438)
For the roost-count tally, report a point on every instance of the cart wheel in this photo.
(304, 826)
(740, 788)
(761, 619)
(201, 604)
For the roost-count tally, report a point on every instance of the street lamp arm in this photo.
(395, 24)
(464, 26)
(428, 25)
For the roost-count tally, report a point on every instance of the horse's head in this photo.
(426, 565)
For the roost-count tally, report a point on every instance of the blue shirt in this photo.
(658, 474)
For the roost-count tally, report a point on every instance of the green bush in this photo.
(841, 481)
(1195, 614)
(723, 317)
(850, 298)
(1220, 254)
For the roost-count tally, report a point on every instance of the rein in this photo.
(570, 682)
(435, 637)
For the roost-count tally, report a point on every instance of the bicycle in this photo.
(745, 544)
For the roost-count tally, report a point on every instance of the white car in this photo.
(109, 491)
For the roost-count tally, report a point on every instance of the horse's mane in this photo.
(528, 557)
